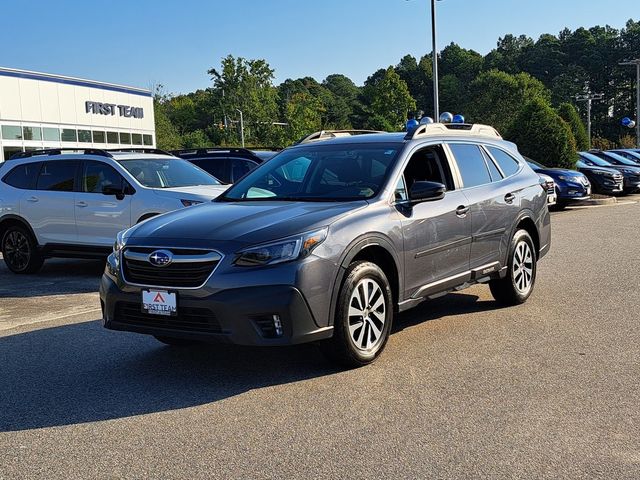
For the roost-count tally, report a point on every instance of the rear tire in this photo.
(176, 342)
(364, 315)
(518, 284)
(20, 250)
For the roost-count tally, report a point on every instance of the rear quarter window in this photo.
(23, 176)
(506, 162)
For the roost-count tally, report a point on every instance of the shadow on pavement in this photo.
(83, 373)
(57, 277)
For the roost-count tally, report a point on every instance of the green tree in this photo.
(304, 115)
(495, 97)
(388, 99)
(569, 114)
(542, 135)
(247, 85)
(167, 136)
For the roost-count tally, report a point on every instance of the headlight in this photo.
(627, 170)
(188, 203)
(604, 174)
(119, 243)
(284, 250)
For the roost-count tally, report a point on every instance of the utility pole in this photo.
(241, 126)
(436, 101)
(589, 97)
(636, 62)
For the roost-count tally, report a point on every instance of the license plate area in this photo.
(159, 302)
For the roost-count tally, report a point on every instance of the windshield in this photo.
(618, 159)
(319, 173)
(167, 173)
(591, 159)
(629, 155)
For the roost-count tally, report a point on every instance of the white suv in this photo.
(59, 204)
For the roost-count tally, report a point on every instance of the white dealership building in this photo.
(41, 110)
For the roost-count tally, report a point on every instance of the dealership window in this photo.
(9, 151)
(84, 136)
(136, 138)
(147, 139)
(112, 137)
(32, 133)
(98, 137)
(125, 138)
(11, 132)
(69, 135)
(51, 134)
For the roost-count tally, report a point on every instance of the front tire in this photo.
(518, 284)
(364, 315)
(20, 251)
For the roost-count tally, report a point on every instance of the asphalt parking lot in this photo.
(464, 389)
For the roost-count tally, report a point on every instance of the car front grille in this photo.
(189, 268)
(189, 319)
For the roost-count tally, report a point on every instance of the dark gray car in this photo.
(327, 240)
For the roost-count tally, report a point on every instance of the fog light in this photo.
(277, 324)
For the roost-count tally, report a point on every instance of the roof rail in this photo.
(156, 151)
(59, 151)
(328, 134)
(453, 129)
(210, 150)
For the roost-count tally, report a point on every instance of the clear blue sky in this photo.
(145, 42)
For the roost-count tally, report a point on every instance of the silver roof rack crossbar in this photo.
(476, 129)
(327, 134)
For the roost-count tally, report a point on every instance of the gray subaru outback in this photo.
(328, 240)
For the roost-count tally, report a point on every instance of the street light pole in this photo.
(589, 97)
(636, 62)
(434, 38)
(241, 126)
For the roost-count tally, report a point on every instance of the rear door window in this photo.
(57, 176)
(493, 170)
(214, 166)
(23, 176)
(239, 168)
(470, 160)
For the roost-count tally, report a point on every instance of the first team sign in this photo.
(111, 109)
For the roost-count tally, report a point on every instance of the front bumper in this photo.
(608, 185)
(243, 316)
(631, 184)
(573, 192)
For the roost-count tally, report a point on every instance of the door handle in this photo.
(462, 211)
(32, 199)
(82, 204)
(509, 197)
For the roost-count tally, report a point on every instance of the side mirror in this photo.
(424, 191)
(113, 190)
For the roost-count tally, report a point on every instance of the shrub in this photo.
(542, 135)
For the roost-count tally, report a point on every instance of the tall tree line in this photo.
(520, 80)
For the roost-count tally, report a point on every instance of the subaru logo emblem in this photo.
(161, 258)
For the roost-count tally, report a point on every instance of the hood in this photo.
(197, 192)
(554, 172)
(244, 222)
(600, 169)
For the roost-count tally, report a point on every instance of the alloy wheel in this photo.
(367, 315)
(17, 250)
(523, 267)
